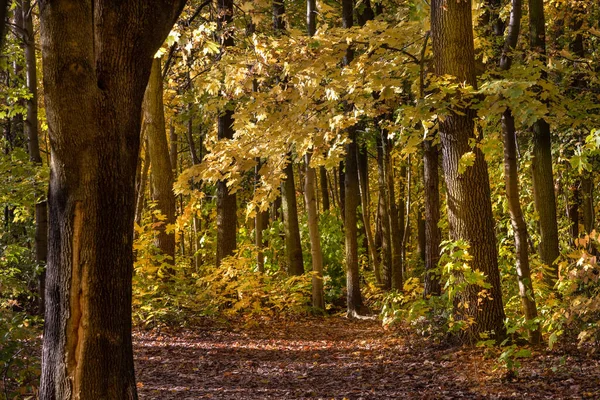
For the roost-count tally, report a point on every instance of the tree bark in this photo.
(259, 225)
(226, 201)
(162, 172)
(94, 82)
(293, 246)
(363, 178)
(354, 299)
(432, 217)
(541, 163)
(469, 201)
(318, 300)
(324, 189)
(511, 179)
(384, 218)
(4, 5)
(32, 135)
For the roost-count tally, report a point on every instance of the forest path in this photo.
(335, 358)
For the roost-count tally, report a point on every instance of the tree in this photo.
(511, 179)
(158, 150)
(541, 163)
(226, 201)
(293, 245)
(469, 201)
(94, 82)
(433, 234)
(4, 5)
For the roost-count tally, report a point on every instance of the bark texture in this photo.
(94, 82)
(318, 300)
(226, 201)
(293, 246)
(469, 202)
(433, 235)
(158, 150)
(363, 178)
(541, 163)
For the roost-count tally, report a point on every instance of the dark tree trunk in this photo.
(587, 191)
(4, 5)
(432, 217)
(158, 150)
(311, 18)
(293, 246)
(226, 202)
(342, 189)
(363, 177)
(511, 179)
(278, 14)
(94, 82)
(324, 189)
(384, 218)
(397, 221)
(469, 201)
(541, 164)
(32, 135)
(260, 223)
(354, 299)
(173, 148)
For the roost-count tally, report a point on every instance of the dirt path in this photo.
(337, 359)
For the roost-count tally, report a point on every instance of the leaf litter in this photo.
(337, 358)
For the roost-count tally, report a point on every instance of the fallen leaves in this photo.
(335, 358)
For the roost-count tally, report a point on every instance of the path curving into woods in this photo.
(336, 359)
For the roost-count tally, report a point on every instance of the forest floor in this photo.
(335, 358)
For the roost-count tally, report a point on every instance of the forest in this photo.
(284, 199)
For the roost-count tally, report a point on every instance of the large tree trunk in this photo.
(94, 82)
(432, 217)
(158, 150)
(469, 201)
(293, 246)
(226, 202)
(541, 163)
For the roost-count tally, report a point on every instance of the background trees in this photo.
(256, 98)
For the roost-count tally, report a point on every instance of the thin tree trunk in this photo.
(318, 301)
(384, 218)
(342, 190)
(511, 179)
(363, 179)
(32, 135)
(141, 183)
(226, 201)
(293, 245)
(158, 150)
(541, 164)
(324, 189)
(469, 200)
(432, 217)
(354, 298)
(259, 225)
